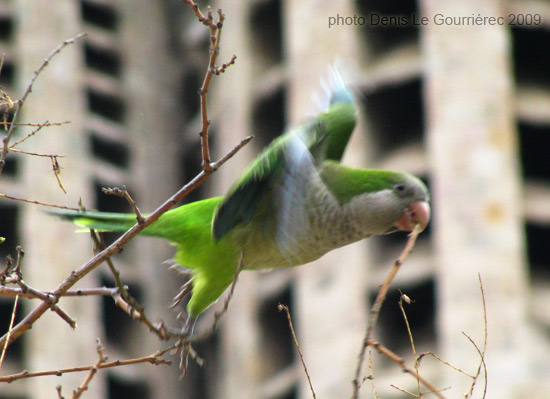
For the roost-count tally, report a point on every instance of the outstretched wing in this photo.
(276, 182)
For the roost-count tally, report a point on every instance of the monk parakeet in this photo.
(295, 203)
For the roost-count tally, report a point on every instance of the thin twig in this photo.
(446, 363)
(16, 277)
(101, 358)
(38, 126)
(121, 296)
(377, 306)
(482, 351)
(419, 396)
(57, 173)
(404, 298)
(28, 201)
(382, 292)
(123, 192)
(371, 378)
(19, 103)
(215, 36)
(154, 359)
(5, 346)
(401, 362)
(12, 292)
(35, 154)
(225, 65)
(297, 345)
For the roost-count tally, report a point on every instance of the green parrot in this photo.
(295, 203)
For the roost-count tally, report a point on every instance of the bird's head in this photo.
(381, 201)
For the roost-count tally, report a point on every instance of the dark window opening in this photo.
(268, 118)
(119, 387)
(538, 250)
(113, 152)
(7, 76)
(109, 106)
(534, 144)
(11, 166)
(265, 20)
(6, 27)
(102, 60)
(532, 55)
(388, 24)
(396, 116)
(101, 15)
(9, 215)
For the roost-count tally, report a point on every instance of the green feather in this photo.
(345, 182)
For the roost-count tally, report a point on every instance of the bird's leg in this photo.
(188, 325)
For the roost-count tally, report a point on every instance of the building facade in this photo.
(462, 103)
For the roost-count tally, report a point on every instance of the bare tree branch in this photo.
(19, 103)
(154, 359)
(215, 36)
(373, 318)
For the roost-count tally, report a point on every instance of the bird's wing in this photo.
(275, 177)
(274, 187)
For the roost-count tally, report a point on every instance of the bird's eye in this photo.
(399, 187)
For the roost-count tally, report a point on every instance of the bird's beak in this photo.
(416, 213)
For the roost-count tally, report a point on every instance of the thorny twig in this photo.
(35, 154)
(371, 378)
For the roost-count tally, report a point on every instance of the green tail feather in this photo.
(175, 225)
(101, 221)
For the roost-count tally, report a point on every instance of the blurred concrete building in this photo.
(462, 103)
